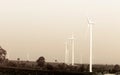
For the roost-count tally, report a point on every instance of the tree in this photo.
(116, 68)
(62, 66)
(82, 68)
(49, 67)
(41, 61)
(2, 54)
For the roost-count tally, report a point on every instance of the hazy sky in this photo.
(41, 27)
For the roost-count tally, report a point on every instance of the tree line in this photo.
(41, 64)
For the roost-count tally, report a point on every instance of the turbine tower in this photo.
(73, 47)
(90, 24)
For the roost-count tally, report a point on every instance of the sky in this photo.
(41, 27)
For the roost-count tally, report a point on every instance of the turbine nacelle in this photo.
(90, 21)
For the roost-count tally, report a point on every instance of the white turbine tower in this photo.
(90, 24)
(73, 47)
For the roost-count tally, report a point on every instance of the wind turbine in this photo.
(90, 24)
(73, 47)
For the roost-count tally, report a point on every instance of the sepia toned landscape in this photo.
(59, 37)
